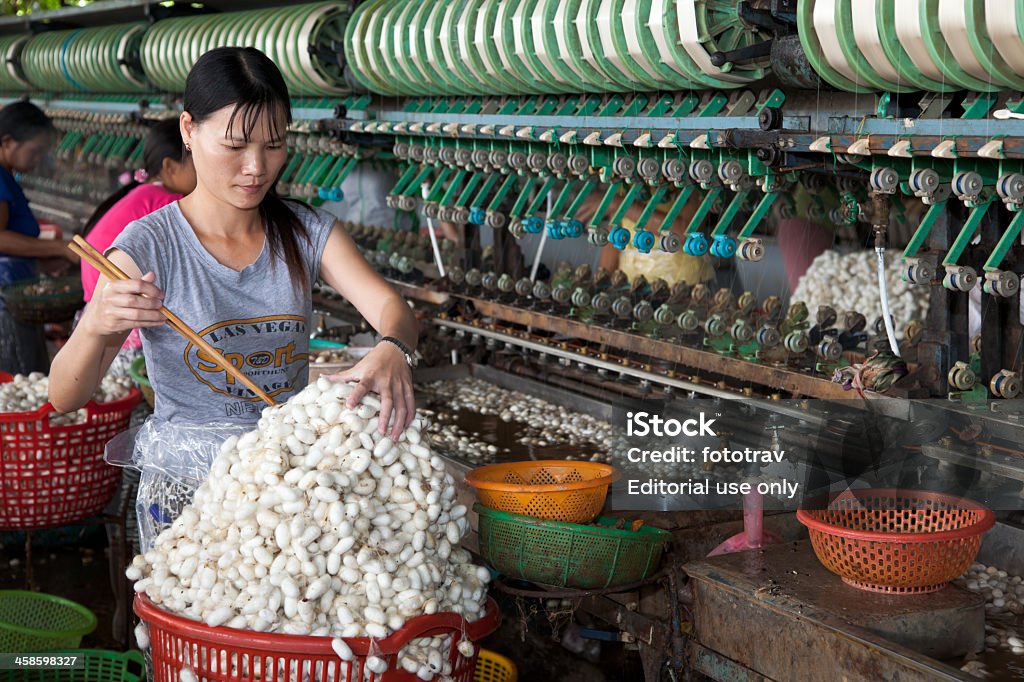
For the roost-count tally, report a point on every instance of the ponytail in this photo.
(284, 229)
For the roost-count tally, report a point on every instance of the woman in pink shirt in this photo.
(167, 175)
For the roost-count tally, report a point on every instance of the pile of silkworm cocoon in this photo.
(29, 393)
(850, 282)
(316, 524)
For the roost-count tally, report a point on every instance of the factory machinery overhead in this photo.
(895, 124)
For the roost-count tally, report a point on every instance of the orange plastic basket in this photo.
(223, 654)
(55, 475)
(553, 490)
(897, 541)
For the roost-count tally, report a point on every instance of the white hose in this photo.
(433, 237)
(883, 293)
(540, 247)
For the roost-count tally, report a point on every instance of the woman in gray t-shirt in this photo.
(236, 263)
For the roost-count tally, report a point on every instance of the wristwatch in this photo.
(410, 354)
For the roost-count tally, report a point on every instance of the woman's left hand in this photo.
(384, 371)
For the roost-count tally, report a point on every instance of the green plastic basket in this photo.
(135, 371)
(568, 554)
(97, 665)
(32, 621)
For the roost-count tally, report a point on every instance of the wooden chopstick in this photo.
(85, 250)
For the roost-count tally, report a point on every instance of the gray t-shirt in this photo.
(254, 317)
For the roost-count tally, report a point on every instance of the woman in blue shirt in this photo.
(26, 134)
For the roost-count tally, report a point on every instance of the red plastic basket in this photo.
(224, 654)
(897, 541)
(55, 475)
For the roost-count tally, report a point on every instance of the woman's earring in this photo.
(188, 147)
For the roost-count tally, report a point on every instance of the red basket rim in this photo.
(474, 480)
(982, 525)
(419, 626)
(126, 403)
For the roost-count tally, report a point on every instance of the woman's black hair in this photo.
(247, 79)
(23, 120)
(163, 141)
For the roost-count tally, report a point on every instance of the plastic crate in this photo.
(98, 665)
(568, 554)
(556, 490)
(33, 621)
(223, 654)
(897, 541)
(55, 475)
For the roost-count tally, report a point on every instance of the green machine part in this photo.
(297, 38)
(85, 60)
(523, 47)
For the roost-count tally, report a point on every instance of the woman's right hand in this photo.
(118, 307)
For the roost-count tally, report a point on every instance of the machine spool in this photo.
(287, 35)
(1005, 384)
(768, 336)
(546, 20)
(1004, 21)
(621, 42)
(833, 19)
(448, 40)
(961, 377)
(918, 26)
(812, 44)
(741, 331)
(963, 25)
(588, 29)
(885, 24)
(84, 60)
(529, 26)
(687, 321)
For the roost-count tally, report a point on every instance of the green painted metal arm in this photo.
(763, 207)
(524, 194)
(562, 198)
(967, 233)
(505, 188)
(474, 180)
(730, 212)
(437, 188)
(921, 233)
(1005, 242)
(606, 201)
(585, 190)
(703, 209)
(405, 179)
(290, 167)
(324, 171)
(304, 161)
(329, 178)
(90, 142)
(542, 194)
(453, 188)
(627, 202)
(346, 169)
(413, 187)
(676, 208)
(489, 183)
(649, 209)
